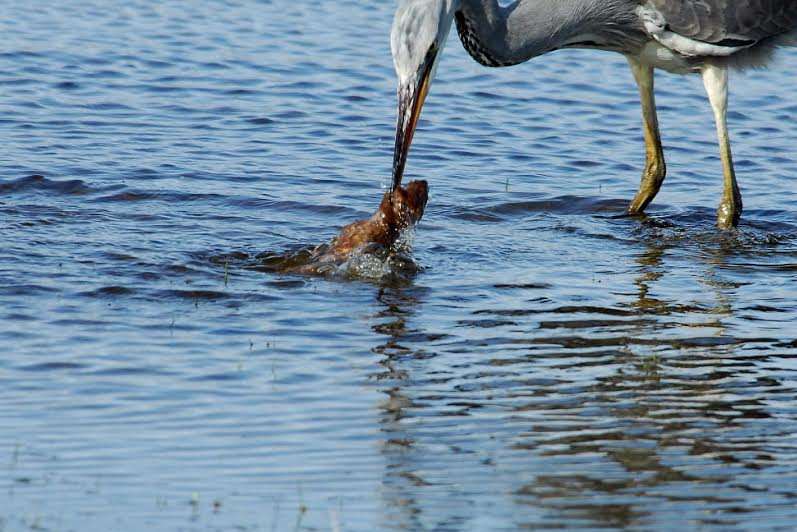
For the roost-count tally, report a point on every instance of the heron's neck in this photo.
(502, 36)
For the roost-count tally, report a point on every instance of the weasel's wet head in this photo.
(406, 205)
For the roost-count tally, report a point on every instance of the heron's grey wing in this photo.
(725, 21)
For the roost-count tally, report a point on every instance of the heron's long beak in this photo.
(411, 97)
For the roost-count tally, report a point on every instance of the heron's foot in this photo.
(652, 179)
(730, 211)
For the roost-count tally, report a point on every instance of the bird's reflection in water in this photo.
(667, 416)
(616, 422)
(401, 482)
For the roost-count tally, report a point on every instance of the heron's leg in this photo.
(715, 79)
(655, 168)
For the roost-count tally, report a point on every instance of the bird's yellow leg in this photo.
(715, 79)
(655, 168)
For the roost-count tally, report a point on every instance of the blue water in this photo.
(550, 364)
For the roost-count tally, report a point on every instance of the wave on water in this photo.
(698, 229)
(38, 182)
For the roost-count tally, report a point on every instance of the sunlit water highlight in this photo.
(548, 364)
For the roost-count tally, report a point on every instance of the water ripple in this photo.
(548, 363)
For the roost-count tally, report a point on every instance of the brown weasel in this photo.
(399, 209)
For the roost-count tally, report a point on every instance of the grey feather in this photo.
(504, 35)
(718, 21)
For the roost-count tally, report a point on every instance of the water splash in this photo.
(374, 262)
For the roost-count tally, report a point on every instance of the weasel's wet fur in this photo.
(398, 211)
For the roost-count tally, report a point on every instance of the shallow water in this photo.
(550, 364)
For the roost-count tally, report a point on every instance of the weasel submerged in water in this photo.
(399, 210)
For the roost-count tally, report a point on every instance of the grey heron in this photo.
(708, 37)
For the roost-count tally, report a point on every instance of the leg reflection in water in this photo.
(645, 413)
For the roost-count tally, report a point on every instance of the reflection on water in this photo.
(649, 414)
(540, 361)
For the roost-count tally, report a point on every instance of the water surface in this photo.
(550, 364)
